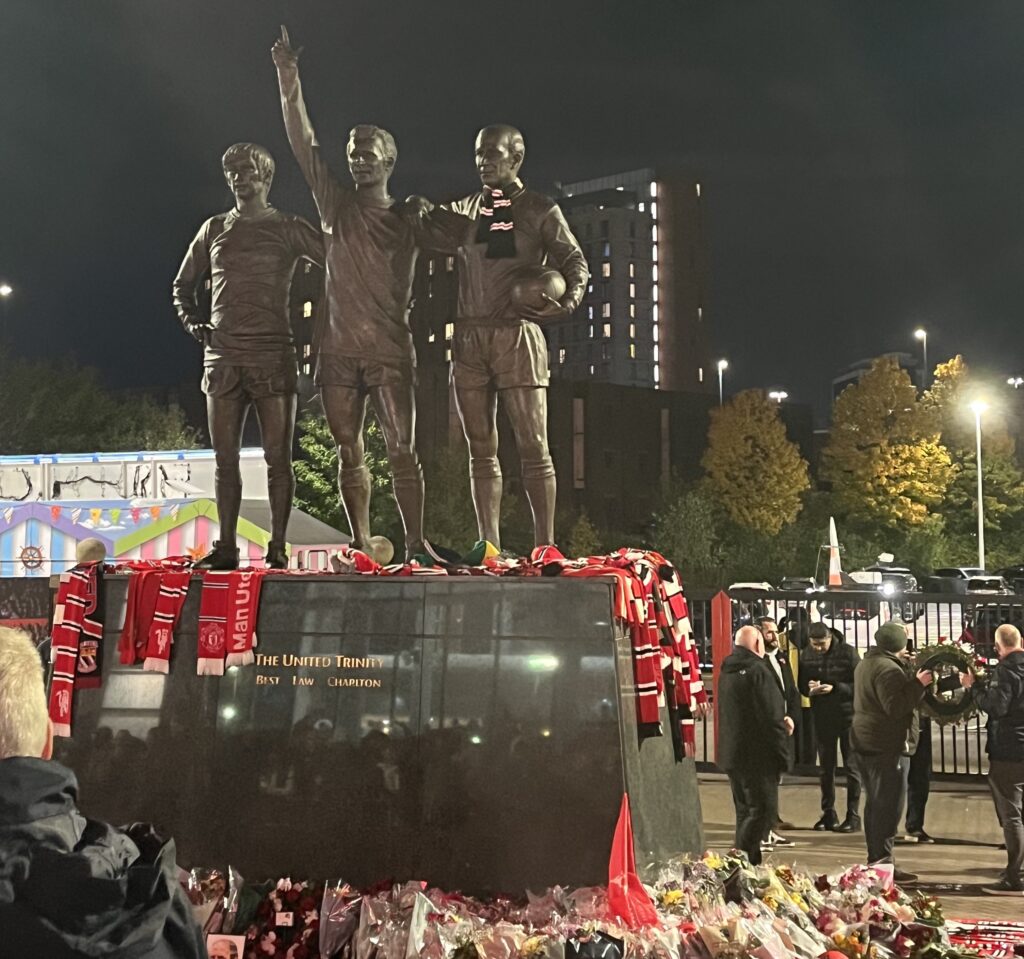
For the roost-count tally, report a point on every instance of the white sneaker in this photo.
(774, 839)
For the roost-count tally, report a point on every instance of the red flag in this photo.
(55, 513)
(627, 899)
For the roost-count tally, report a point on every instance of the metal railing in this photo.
(957, 751)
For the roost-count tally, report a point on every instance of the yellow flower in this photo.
(713, 861)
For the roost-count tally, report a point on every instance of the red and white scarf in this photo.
(170, 598)
(228, 607)
(496, 226)
(76, 624)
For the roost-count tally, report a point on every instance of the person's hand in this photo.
(418, 206)
(823, 689)
(701, 710)
(925, 677)
(787, 721)
(285, 58)
(200, 332)
(967, 680)
(689, 750)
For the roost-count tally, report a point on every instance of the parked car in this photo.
(798, 584)
(987, 583)
(1014, 575)
(898, 581)
(980, 622)
(952, 579)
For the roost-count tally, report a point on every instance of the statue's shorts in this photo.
(229, 382)
(499, 357)
(334, 369)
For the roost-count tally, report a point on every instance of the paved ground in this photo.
(964, 857)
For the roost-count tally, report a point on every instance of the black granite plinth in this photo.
(474, 732)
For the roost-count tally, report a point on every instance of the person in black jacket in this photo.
(1002, 699)
(826, 678)
(72, 887)
(753, 738)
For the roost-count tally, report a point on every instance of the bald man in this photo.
(753, 738)
(1002, 700)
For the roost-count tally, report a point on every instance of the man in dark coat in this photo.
(884, 735)
(753, 738)
(1002, 699)
(72, 887)
(826, 678)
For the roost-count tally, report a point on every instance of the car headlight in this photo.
(888, 589)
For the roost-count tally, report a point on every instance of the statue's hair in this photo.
(515, 139)
(368, 131)
(23, 712)
(252, 151)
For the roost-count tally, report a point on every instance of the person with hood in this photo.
(753, 738)
(826, 677)
(883, 736)
(69, 886)
(1002, 700)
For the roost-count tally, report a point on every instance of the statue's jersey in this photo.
(370, 254)
(250, 262)
(542, 236)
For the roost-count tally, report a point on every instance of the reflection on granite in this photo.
(478, 733)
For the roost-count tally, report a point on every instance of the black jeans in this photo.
(885, 788)
(919, 778)
(755, 794)
(833, 739)
(1006, 780)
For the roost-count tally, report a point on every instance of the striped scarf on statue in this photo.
(495, 226)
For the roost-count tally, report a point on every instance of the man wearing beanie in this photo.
(885, 699)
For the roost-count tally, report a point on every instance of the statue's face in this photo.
(244, 179)
(495, 162)
(367, 163)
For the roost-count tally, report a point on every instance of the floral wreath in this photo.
(944, 658)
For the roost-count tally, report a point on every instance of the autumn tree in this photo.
(752, 467)
(948, 403)
(884, 457)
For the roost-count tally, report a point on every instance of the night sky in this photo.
(860, 162)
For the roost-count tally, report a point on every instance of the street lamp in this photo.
(979, 407)
(778, 395)
(6, 290)
(723, 365)
(922, 334)
(1016, 382)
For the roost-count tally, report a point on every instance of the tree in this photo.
(316, 477)
(884, 458)
(687, 531)
(583, 538)
(953, 388)
(753, 468)
(59, 407)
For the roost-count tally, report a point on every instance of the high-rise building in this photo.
(642, 321)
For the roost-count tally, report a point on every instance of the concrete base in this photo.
(474, 732)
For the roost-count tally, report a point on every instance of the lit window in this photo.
(654, 272)
(448, 356)
(657, 375)
(590, 331)
(632, 309)
(654, 332)
(632, 290)
(654, 292)
(654, 310)
(306, 350)
(606, 330)
(561, 355)
(607, 250)
(307, 309)
(698, 189)
(590, 311)
(700, 312)
(654, 189)
(700, 374)
(640, 206)
(632, 351)
(307, 368)
(590, 287)
(591, 369)
(606, 269)
(654, 234)
(654, 252)
(449, 330)
(606, 309)
(431, 338)
(654, 210)
(632, 330)
(632, 269)
(655, 352)
(430, 267)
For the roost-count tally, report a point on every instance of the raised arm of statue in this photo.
(194, 268)
(300, 129)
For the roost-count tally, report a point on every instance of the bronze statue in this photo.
(249, 256)
(505, 237)
(365, 348)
